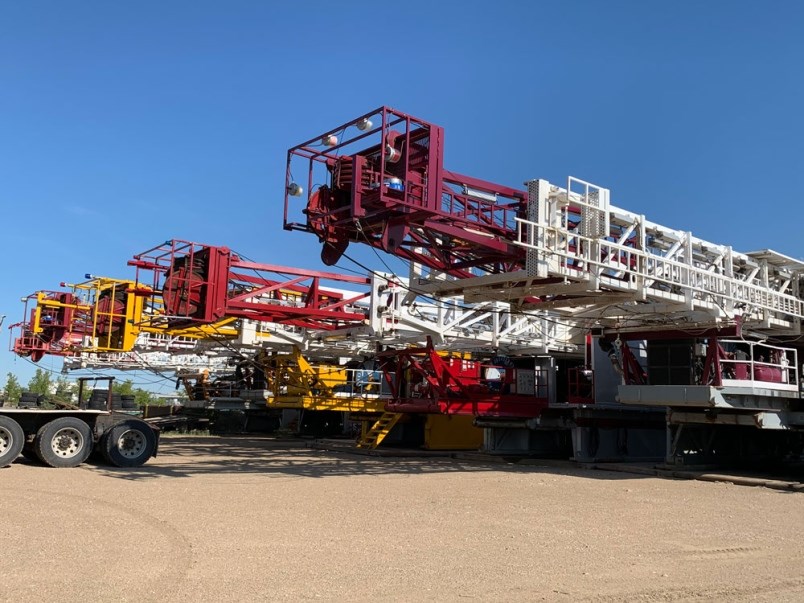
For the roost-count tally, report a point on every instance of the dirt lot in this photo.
(217, 519)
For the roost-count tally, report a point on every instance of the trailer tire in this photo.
(63, 442)
(129, 443)
(12, 439)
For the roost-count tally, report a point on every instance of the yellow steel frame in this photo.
(132, 316)
(43, 302)
(295, 383)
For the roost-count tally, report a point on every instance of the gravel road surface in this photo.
(250, 519)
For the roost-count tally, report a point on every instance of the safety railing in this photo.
(757, 364)
(624, 268)
(363, 383)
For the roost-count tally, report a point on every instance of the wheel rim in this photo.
(67, 443)
(6, 440)
(131, 443)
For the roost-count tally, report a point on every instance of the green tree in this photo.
(141, 397)
(124, 388)
(13, 389)
(40, 383)
(64, 390)
(146, 398)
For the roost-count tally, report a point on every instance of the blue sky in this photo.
(126, 124)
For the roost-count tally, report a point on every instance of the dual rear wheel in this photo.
(129, 443)
(63, 442)
(68, 442)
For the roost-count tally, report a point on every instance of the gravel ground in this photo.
(225, 519)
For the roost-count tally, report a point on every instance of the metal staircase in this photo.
(374, 436)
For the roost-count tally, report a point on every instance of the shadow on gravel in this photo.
(188, 456)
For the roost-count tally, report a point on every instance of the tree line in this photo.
(63, 390)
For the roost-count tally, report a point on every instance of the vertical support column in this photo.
(415, 275)
(689, 281)
(642, 258)
(671, 439)
(358, 165)
(765, 282)
(132, 319)
(728, 272)
(536, 261)
(594, 225)
(547, 366)
(497, 308)
(550, 331)
(217, 288)
(797, 288)
(435, 168)
(375, 320)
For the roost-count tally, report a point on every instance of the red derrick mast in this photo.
(386, 186)
(201, 284)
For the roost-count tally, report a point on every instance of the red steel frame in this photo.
(386, 186)
(202, 284)
(712, 374)
(581, 385)
(429, 209)
(715, 369)
(63, 322)
(422, 381)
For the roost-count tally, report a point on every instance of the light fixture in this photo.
(329, 141)
(294, 190)
(391, 154)
(395, 184)
(483, 195)
(364, 124)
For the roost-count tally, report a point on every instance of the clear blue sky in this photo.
(123, 124)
